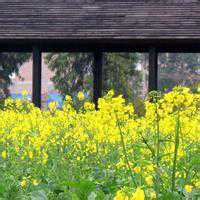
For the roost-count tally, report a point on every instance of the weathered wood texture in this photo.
(99, 19)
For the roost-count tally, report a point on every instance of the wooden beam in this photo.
(37, 75)
(97, 75)
(103, 45)
(153, 69)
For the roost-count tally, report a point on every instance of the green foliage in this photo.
(73, 72)
(9, 64)
(178, 69)
(120, 74)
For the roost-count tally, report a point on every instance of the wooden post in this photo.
(97, 75)
(153, 69)
(37, 75)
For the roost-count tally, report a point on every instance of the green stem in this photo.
(175, 153)
(124, 151)
(157, 151)
(148, 146)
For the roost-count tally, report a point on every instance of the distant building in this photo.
(23, 81)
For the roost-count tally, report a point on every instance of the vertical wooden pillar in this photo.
(37, 75)
(153, 69)
(97, 75)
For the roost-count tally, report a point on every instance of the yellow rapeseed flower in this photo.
(45, 158)
(4, 154)
(188, 188)
(149, 180)
(68, 98)
(150, 168)
(24, 93)
(89, 106)
(120, 196)
(197, 184)
(138, 195)
(137, 170)
(81, 96)
(23, 183)
(35, 182)
(53, 105)
(78, 158)
(30, 154)
(152, 195)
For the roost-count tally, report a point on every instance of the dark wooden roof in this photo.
(99, 19)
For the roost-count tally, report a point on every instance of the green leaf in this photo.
(2, 189)
(39, 195)
(83, 185)
(92, 196)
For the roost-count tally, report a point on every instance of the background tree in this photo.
(178, 69)
(121, 74)
(174, 69)
(9, 64)
(73, 72)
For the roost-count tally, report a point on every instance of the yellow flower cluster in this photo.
(137, 195)
(109, 143)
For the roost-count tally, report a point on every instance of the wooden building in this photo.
(99, 26)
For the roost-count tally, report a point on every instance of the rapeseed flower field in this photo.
(110, 153)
